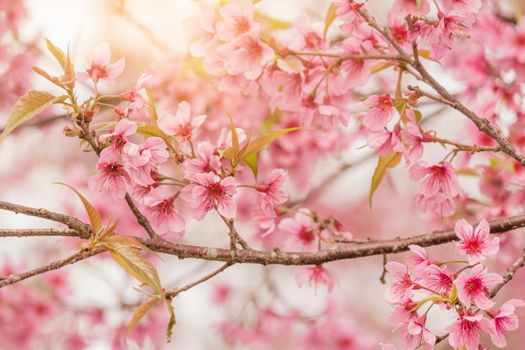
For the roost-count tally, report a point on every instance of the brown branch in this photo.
(44, 232)
(278, 257)
(71, 222)
(55, 265)
(445, 96)
(511, 271)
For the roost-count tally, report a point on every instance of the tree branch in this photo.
(278, 257)
(55, 265)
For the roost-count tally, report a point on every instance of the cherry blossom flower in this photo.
(201, 29)
(303, 230)
(436, 179)
(385, 142)
(111, 176)
(235, 22)
(164, 217)
(401, 8)
(119, 141)
(208, 191)
(504, 320)
(100, 66)
(418, 259)
(476, 243)
(472, 288)
(381, 110)
(466, 331)
(436, 278)
(248, 55)
(315, 275)
(402, 284)
(205, 161)
(416, 335)
(181, 124)
(273, 191)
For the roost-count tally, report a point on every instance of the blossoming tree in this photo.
(231, 134)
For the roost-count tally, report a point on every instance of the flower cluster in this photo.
(464, 292)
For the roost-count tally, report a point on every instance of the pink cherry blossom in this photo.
(303, 230)
(208, 191)
(160, 210)
(205, 161)
(118, 138)
(472, 288)
(111, 176)
(248, 55)
(416, 335)
(381, 110)
(418, 259)
(466, 331)
(436, 179)
(385, 142)
(235, 22)
(402, 284)
(505, 320)
(476, 243)
(181, 124)
(273, 191)
(201, 29)
(401, 8)
(316, 274)
(437, 278)
(100, 66)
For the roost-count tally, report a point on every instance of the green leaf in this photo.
(383, 164)
(28, 106)
(260, 142)
(330, 17)
(235, 137)
(418, 115)
(152, 130)
(59, 54)
(151, 106)
(142, 310)
(46, 75)
(94, 216)
(126, 252)
(172, 321)
(251, 161)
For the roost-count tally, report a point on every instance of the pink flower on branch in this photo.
(476, 243)
(100, 66)
(381, 110)
(273, 192)
(473, 288)
(504, 320)
(111, 176)
(163, 215)
(208, 191)
(181, 124)
(466, 331)
(315, 275)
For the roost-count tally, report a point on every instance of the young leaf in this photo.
(151, 106)
(59, 54)
(172, 321)
(142, 310)
(251, 161)
(129, 258)
(152, 130)
(235, 137)
(28, 106)
(46, 75)
(383, 164)
(330, 17)
(260, 142)
(94, 216)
